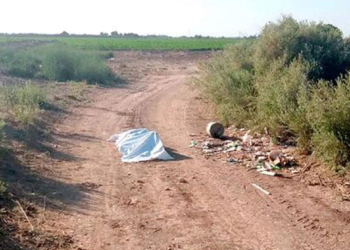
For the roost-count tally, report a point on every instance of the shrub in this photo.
(329, 116)
(227, 80)
(321, 45)
(22, 101)
(65, 64)
(291, 82)
(93, 69)
(277, 100)
(58, 62)
(6, 54)
(24, 65)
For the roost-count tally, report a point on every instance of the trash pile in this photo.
(253, 150)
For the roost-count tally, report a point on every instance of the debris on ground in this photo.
(261, 189)
(344, 193)
(193, 143)
(253, 150)
(215, 129)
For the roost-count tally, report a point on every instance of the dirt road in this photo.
(189, 203)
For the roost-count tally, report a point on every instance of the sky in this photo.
(168, 17)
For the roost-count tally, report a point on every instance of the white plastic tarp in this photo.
(140, 145)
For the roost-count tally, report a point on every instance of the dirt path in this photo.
(190, 203)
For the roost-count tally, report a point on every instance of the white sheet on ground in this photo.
(140, 145)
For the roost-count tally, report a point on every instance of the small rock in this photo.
(182, 180)
(133, 201)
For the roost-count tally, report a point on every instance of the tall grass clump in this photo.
(62, 63)
(24, 64)
(57, 62)
(21, 102)
(293, 81)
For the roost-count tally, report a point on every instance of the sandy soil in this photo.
(189, 203)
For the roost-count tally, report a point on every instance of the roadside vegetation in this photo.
(57, 62)
(18, 104)
(293, 81)
(21, 103)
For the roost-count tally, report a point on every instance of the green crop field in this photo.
(112, 43)
(148, 43)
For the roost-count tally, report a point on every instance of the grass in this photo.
(112, 43)
(77, 90)
(64, 63)
(21, 102)
(57, 62)
(149, 43)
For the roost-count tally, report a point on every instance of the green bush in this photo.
(329, 116)
(321, 45)
(22, 101)
(277, 100)
(24, 65)
(7, 54)
(58, 62)
(227, 80)
(291, 82)
(65, 64)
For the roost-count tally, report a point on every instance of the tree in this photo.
(64, 33)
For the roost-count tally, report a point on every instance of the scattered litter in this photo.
(193, 143)
(268, 173)
(253, 150)
(261, 189)
(233, 160)
(262, 158)
(208, 151)
(215, 129)
(140, 145)
(247, 138)
(233, 146)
